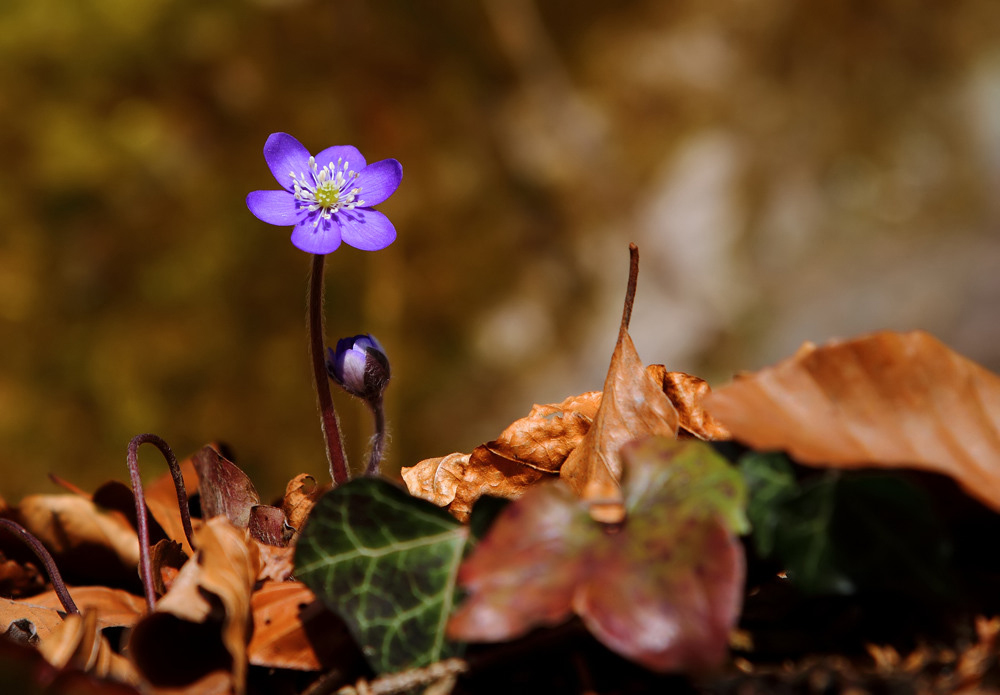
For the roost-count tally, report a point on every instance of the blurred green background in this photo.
(790, 171)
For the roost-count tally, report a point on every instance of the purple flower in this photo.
(328, 197)
(360, 366)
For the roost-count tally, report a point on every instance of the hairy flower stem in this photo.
(50, 565)
(378, 442)
(328, 419)
(132, 460)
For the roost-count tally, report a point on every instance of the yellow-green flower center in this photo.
(327, 190)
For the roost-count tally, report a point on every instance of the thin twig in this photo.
(50, 565)
(132, 460)
(404, 681)
(633, 278)
(327, 413)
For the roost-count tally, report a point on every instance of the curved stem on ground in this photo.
(317, 352)
(50, 565)
(142, 520)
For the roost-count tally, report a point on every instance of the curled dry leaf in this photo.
(886, 400)
(78, 644)
(211, 595)
(529, 450)
(686, 393)
(301, 494)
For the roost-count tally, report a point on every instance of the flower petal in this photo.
(378, 181)
(274, 207)
(366, 229)
(355, 162)
(316, 238)
(284, 154)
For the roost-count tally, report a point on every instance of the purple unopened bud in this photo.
(360, 367)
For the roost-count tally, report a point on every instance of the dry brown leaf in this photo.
(544, 438)
(285, 614)
(161, 500)
(78, 644)
(88, 542)
(632, 406)
(212, 591)
(686, 393)
(276, 563)
(531, 449)
(213, 683)
(886, 400)
(19, 578)
(456, 481)
(45, 619)
(113, 607)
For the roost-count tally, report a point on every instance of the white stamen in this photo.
(327, 190)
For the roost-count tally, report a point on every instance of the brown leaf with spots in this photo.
(203, 622)
(45, 618)
(633, 405)
(293, 630)
(886, 400)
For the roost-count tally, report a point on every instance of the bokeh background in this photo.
(791, 171)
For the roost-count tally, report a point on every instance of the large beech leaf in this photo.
(887, 400)
(845, 532)
(664, 589)
(386, 562)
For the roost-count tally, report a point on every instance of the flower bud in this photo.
(360, 367)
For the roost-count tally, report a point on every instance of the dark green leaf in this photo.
(844, 532)
(386, 562)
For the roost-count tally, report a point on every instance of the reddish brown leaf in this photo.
(268, 525)
(225, 489)
(886, 400)
(663, 590)
(18, 578)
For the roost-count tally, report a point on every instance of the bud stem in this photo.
(329, 422)
(378, 442)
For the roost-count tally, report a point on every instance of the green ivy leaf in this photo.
(845, 532)
(386, 562)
